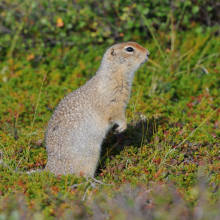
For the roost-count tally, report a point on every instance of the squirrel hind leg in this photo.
(55, 166)
(87, 166)
(51, 165)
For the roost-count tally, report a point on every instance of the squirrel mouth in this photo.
(144, 61)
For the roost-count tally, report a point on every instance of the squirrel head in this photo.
(124, 57)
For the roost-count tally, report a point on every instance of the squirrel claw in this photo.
(121, 128)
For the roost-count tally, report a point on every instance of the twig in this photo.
(76, 185)
(98, 181)
(85, 193)
(168, 164)
(93, 187)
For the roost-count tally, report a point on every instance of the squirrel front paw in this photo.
(121, 127)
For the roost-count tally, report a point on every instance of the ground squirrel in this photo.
(82, 119)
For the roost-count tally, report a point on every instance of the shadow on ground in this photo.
(136, 135)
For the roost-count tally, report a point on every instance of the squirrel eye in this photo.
(129, 49)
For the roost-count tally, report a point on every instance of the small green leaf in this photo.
(195, 9)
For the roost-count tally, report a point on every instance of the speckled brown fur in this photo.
(82, 119)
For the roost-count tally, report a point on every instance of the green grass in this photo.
(166, 164)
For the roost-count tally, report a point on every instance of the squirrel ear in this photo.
(113, 52)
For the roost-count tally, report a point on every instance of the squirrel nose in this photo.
(148, 53)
